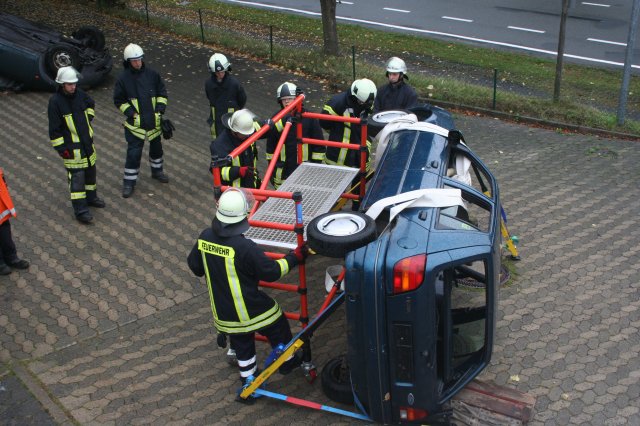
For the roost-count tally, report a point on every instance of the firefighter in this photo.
(355, 102)
(70, 112)
(233, 265)
(243, 171)
(288, 159)
(8, 254)
(224, 91)
(141, 96)
(396, 94)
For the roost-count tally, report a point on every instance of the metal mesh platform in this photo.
(321, 185)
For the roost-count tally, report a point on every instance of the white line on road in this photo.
(457, 19)
(438, 33)
(597, 40)
(396, 10)
(526, 29)
(344, 2)
(595, 4)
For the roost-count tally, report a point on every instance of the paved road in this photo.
(109, 327)
(597, 31)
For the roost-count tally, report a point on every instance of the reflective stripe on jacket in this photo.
(142, 97)
(233, 267)
(221, 147)
(224, 97)
(70, 127)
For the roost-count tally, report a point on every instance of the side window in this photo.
(474, 216)
(462, 314)
(464, 169)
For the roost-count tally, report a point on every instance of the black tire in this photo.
(90, 37)
(334, 234)
(423, 112)
(335, 380)
(61, 55)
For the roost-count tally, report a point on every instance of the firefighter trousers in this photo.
(82, 187)
(134, 156)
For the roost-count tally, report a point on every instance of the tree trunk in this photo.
(329, 27)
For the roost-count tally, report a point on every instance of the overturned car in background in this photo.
(421, 294)
(31, 54)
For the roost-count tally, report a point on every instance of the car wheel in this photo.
(334, 234)
(382, 118)
(90, 37)
(336, 382)
(61, 55)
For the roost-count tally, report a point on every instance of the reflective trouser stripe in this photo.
(131, 174)
(156, 163)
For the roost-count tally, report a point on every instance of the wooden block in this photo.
(501, 400)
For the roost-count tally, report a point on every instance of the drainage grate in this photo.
(321, 186)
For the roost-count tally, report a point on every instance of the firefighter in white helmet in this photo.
(233, 265)
(224, 92)
(355, 102)
(288, 159)
(396, 94)
(140, 94)
(70, 113)
(237, 127)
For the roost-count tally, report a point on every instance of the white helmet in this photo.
(219, 62)
(133, 51)
(233, 206)
(286, 90)
(364, 90)
(67, 75)
(396, 64)
(240, 121)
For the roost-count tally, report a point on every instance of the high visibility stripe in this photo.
(90, 187)
(91, 112)
(269, 156)
(57, 142)
(329, 110)
(68, 118)
(216, 249)
(284, 267)
(86, 116)
(279, 126)
(93, 157)
(318, 156)
(261, 321)
(160, 100)
(305, 152)
(209, 286)
(225, 173)
(8, 212)
(247, 362)
(125, 107)
(78, 195)
(236, 290)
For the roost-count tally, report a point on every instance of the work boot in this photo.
(245, 383)
(290, 365)
(19, 264)
(159, 175)
(97, 203)
(85, 217)
(127, 191)
(4, 269)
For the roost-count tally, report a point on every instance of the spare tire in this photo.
(336, 380)
(90, 36)
(334, 234)
(61, 55)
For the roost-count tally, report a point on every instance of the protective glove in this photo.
(299, 91)
(167, 128)
(244, 170)
(66, 154)
(301, 253)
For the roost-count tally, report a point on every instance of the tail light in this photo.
(410, 414)
(408, 273)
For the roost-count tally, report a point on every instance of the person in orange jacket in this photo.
(8, 254)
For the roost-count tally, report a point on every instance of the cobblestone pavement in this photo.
(108, 326)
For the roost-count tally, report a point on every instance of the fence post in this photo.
(271, 42)
(146, 8)
(353, 60)
(495, 85)
(201, 26)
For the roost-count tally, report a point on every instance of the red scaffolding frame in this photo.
(296, 110)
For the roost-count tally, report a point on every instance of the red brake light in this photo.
(408, 273)
(409, 414)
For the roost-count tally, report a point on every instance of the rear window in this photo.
(474, 216)
(462, 317)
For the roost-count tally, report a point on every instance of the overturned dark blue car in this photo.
(31, 54)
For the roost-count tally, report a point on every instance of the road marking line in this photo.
(457, 19)
(597, 40)
(439, 33)
(526, 29)
(344, 2)
(595, 4)
(396, 10)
